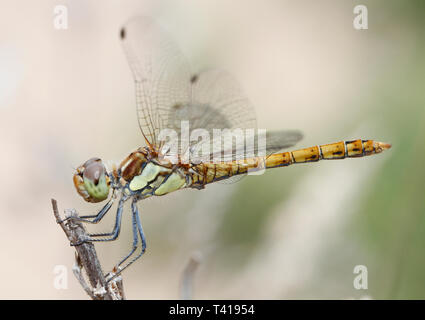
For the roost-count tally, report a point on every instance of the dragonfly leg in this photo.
(137, 226)
(97, 217)
(112, 235)
(135, 230)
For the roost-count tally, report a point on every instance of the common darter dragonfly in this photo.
(168, 95)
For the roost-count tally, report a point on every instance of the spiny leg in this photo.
(142, 237)
(100, 215)
(97, 217)
(135, 229)
(114, 234)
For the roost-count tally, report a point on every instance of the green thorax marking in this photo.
(160, 179)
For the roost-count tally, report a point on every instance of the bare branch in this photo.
(86, 258)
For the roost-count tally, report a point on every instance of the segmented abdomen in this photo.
(211, 172)
(333, 151)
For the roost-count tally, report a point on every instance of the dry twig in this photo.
(86, 258)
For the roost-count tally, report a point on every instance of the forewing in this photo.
(219, 90)
(161, 75)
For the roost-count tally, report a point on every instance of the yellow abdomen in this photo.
(338, 150)
(211, 172)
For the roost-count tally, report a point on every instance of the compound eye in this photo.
(96, 181)
(93, 170)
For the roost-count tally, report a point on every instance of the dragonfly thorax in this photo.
(155, 179)
(144, 174)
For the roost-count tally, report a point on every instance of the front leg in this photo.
(112, 235)
(97, 217)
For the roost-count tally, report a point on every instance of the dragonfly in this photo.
(167, 96)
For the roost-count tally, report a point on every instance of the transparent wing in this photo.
(217, 104)
(275, 141)
(219, 90)
(255, 145)
(281, 139)
(170, 99)
(161, 75)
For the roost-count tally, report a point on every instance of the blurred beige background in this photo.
(297, 232)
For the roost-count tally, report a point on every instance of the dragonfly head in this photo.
(92, 181)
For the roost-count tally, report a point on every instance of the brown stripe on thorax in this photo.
(132, 165)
